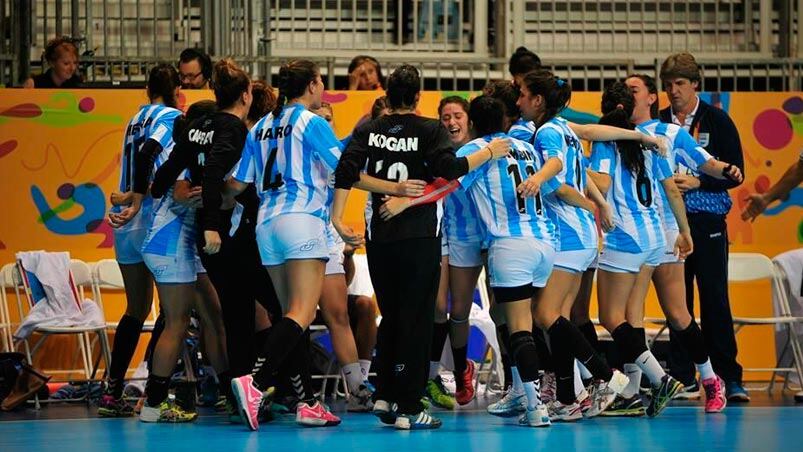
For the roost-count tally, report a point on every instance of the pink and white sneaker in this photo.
(715, 399)
(249, 397)
(316, 415)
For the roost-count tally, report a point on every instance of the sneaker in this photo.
(466, 395)
(662, 395)
(418, 421)
(360, 401)
(604, 393)
(584, 399)
(736, 392)
(715, 400)
(564, 413)
(166, 412)
(512, 404)
(438, 394)
(385, 411)
(539, 417)
(108, 406)
(249, 398)
(317, 415)
(622, 407)
(689, 392)
(548, 387)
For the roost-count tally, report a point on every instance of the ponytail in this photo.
(162, 82)
(556, 92)
(294, 77)
(617, 107)
(229, 83)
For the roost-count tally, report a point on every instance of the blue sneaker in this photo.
(512, 404)
(736, 392)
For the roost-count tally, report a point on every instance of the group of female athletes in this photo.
(239, 203)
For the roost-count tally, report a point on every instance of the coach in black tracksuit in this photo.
(707, 205)
(403, 252)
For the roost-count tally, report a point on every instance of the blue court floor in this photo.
(678, 429)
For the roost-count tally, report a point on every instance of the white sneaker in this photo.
(360, 401)
(604, 393)
(564, 413)
(539, 417)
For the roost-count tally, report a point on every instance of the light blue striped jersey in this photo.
(577, 229)
(522, 130)
(290, 159)
(632, 198)
(685, 157)
(153, 121)
(461, 221)
(172, 231)
(493, 185)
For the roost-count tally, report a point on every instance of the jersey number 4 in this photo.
(515, 172)
(270, 180)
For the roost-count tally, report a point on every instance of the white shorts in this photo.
(518, 261)
(292, 236)
(335, 244)
(128, 245)
(465, 254)
(171, 270)
(576, 261)
(444, 245)
(669, 253)
(622, 262)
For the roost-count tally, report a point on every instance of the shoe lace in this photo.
(710, 391)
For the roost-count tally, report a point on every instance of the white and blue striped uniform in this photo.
(577, 229)
(685, 156)
(521, 235)
(638, 226)
(463, 231)
(169, 249)
(493, 185)
(290, 159)
(154, 121)
(522, 130)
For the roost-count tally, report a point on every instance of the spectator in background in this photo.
(61, 55)
(365, 74)
(194, 69)
(707, 204)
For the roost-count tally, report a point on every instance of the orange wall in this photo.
(52, 141)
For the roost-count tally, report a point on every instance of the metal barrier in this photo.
(453, 41)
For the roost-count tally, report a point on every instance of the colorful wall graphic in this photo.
(60, 154)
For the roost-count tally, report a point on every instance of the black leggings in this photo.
(405, 275)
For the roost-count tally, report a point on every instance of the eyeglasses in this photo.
(189, 77)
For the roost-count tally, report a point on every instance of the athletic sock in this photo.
(651, 368)
(224, 385)
(283, 338)
(590, 333)
(628, 342)
(295, 369)
(515, 380)
(633, 372)
(158, 328)
(460, 364)
(156, 390)
(691, 338)
(261, 337)
(365, 368)
(354, 376)
(533, 391)
(125, 344)
(544, 354)
(563, 360)
(706, 370)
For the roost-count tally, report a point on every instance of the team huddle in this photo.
(235, 209)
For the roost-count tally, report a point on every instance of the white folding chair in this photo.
(107, 277)
(748, 267)
(6, 326)
(81, 280)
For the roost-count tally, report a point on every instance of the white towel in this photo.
(791, 262)
(59, 305)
